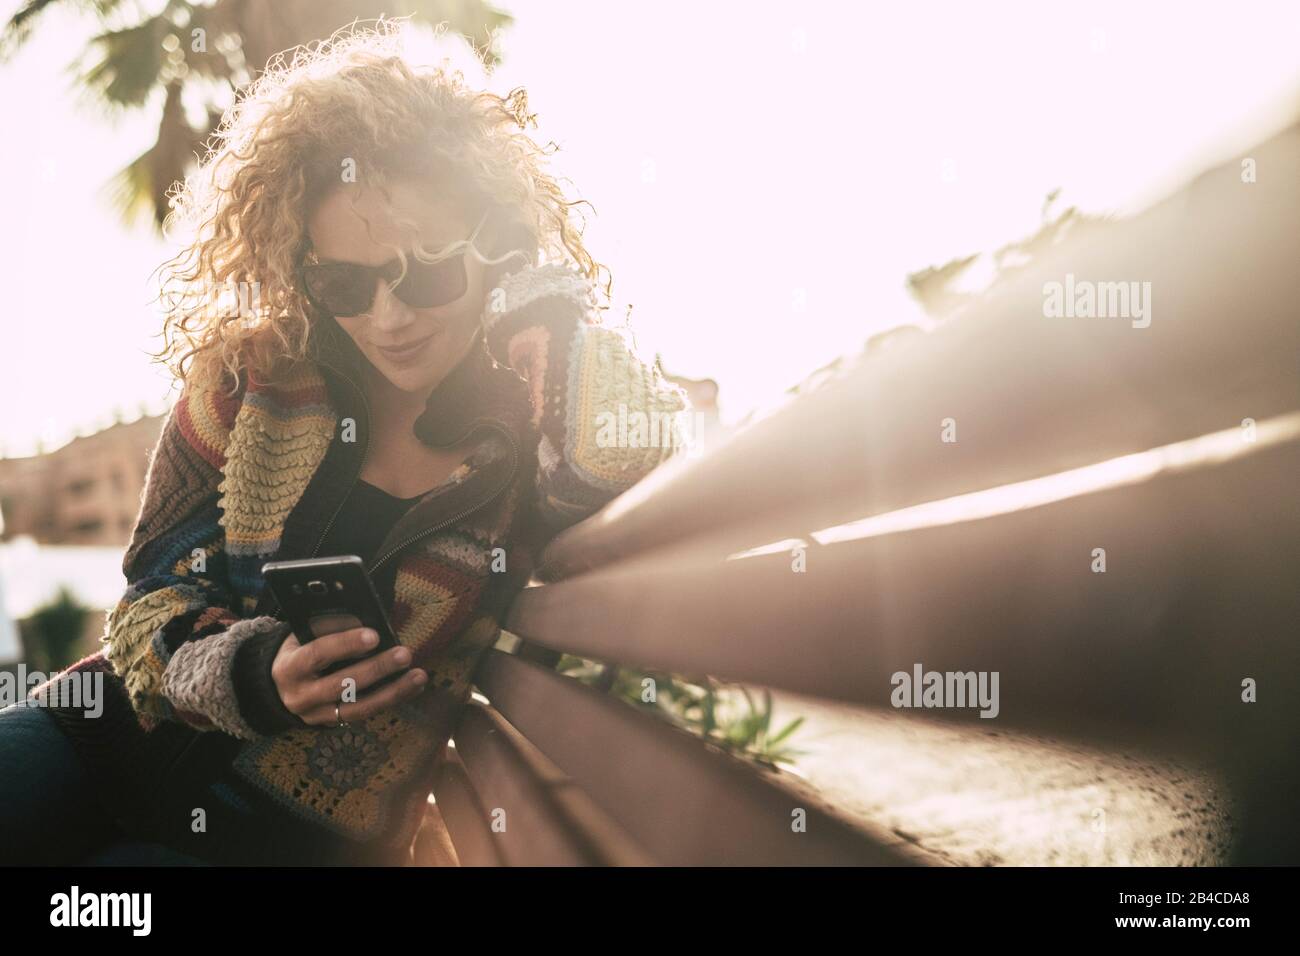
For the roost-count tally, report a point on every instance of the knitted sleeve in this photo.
(178, 637)
(606, 417)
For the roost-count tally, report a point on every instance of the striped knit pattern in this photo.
(276, 444)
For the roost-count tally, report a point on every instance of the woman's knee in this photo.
(47, 811)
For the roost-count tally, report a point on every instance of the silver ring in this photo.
(338, 718)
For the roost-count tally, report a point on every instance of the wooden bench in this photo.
(1175, 448)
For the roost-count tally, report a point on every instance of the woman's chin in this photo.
(416, 381)
(422, 371)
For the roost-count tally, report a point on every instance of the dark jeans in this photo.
(48, 812)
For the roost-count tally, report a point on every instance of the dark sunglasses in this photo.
(344, 289)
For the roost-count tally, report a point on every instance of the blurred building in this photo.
(706, 423)
(86, 492)
(703, 393)
(65, 518)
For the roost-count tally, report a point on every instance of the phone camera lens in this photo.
(317, 587)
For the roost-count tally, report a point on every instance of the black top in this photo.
(366, 516)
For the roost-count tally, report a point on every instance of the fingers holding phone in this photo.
(342, 641)
(299, 672)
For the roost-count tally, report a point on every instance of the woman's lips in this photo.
(408, 352)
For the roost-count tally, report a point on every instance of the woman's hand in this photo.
(311, 694)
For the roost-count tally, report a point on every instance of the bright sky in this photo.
(765, 176)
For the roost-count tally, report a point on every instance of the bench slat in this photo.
(1196, 596)
(463, 814)
(685, 803)
(547, 823)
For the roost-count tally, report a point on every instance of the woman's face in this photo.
(438, 337)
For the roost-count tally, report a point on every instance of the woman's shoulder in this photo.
(214, 396)
(206, 410)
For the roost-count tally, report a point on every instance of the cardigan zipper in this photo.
(514, 467)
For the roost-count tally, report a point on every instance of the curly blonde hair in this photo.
(354, 101)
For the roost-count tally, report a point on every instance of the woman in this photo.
(414, 375)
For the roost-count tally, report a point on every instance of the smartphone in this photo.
(319, 596)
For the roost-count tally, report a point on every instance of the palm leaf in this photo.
(151, 175)
(21, 25)
(129, 62)
(130, 191)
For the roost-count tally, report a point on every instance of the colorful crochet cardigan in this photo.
(195, 748)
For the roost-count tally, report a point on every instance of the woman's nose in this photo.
(388, 312)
